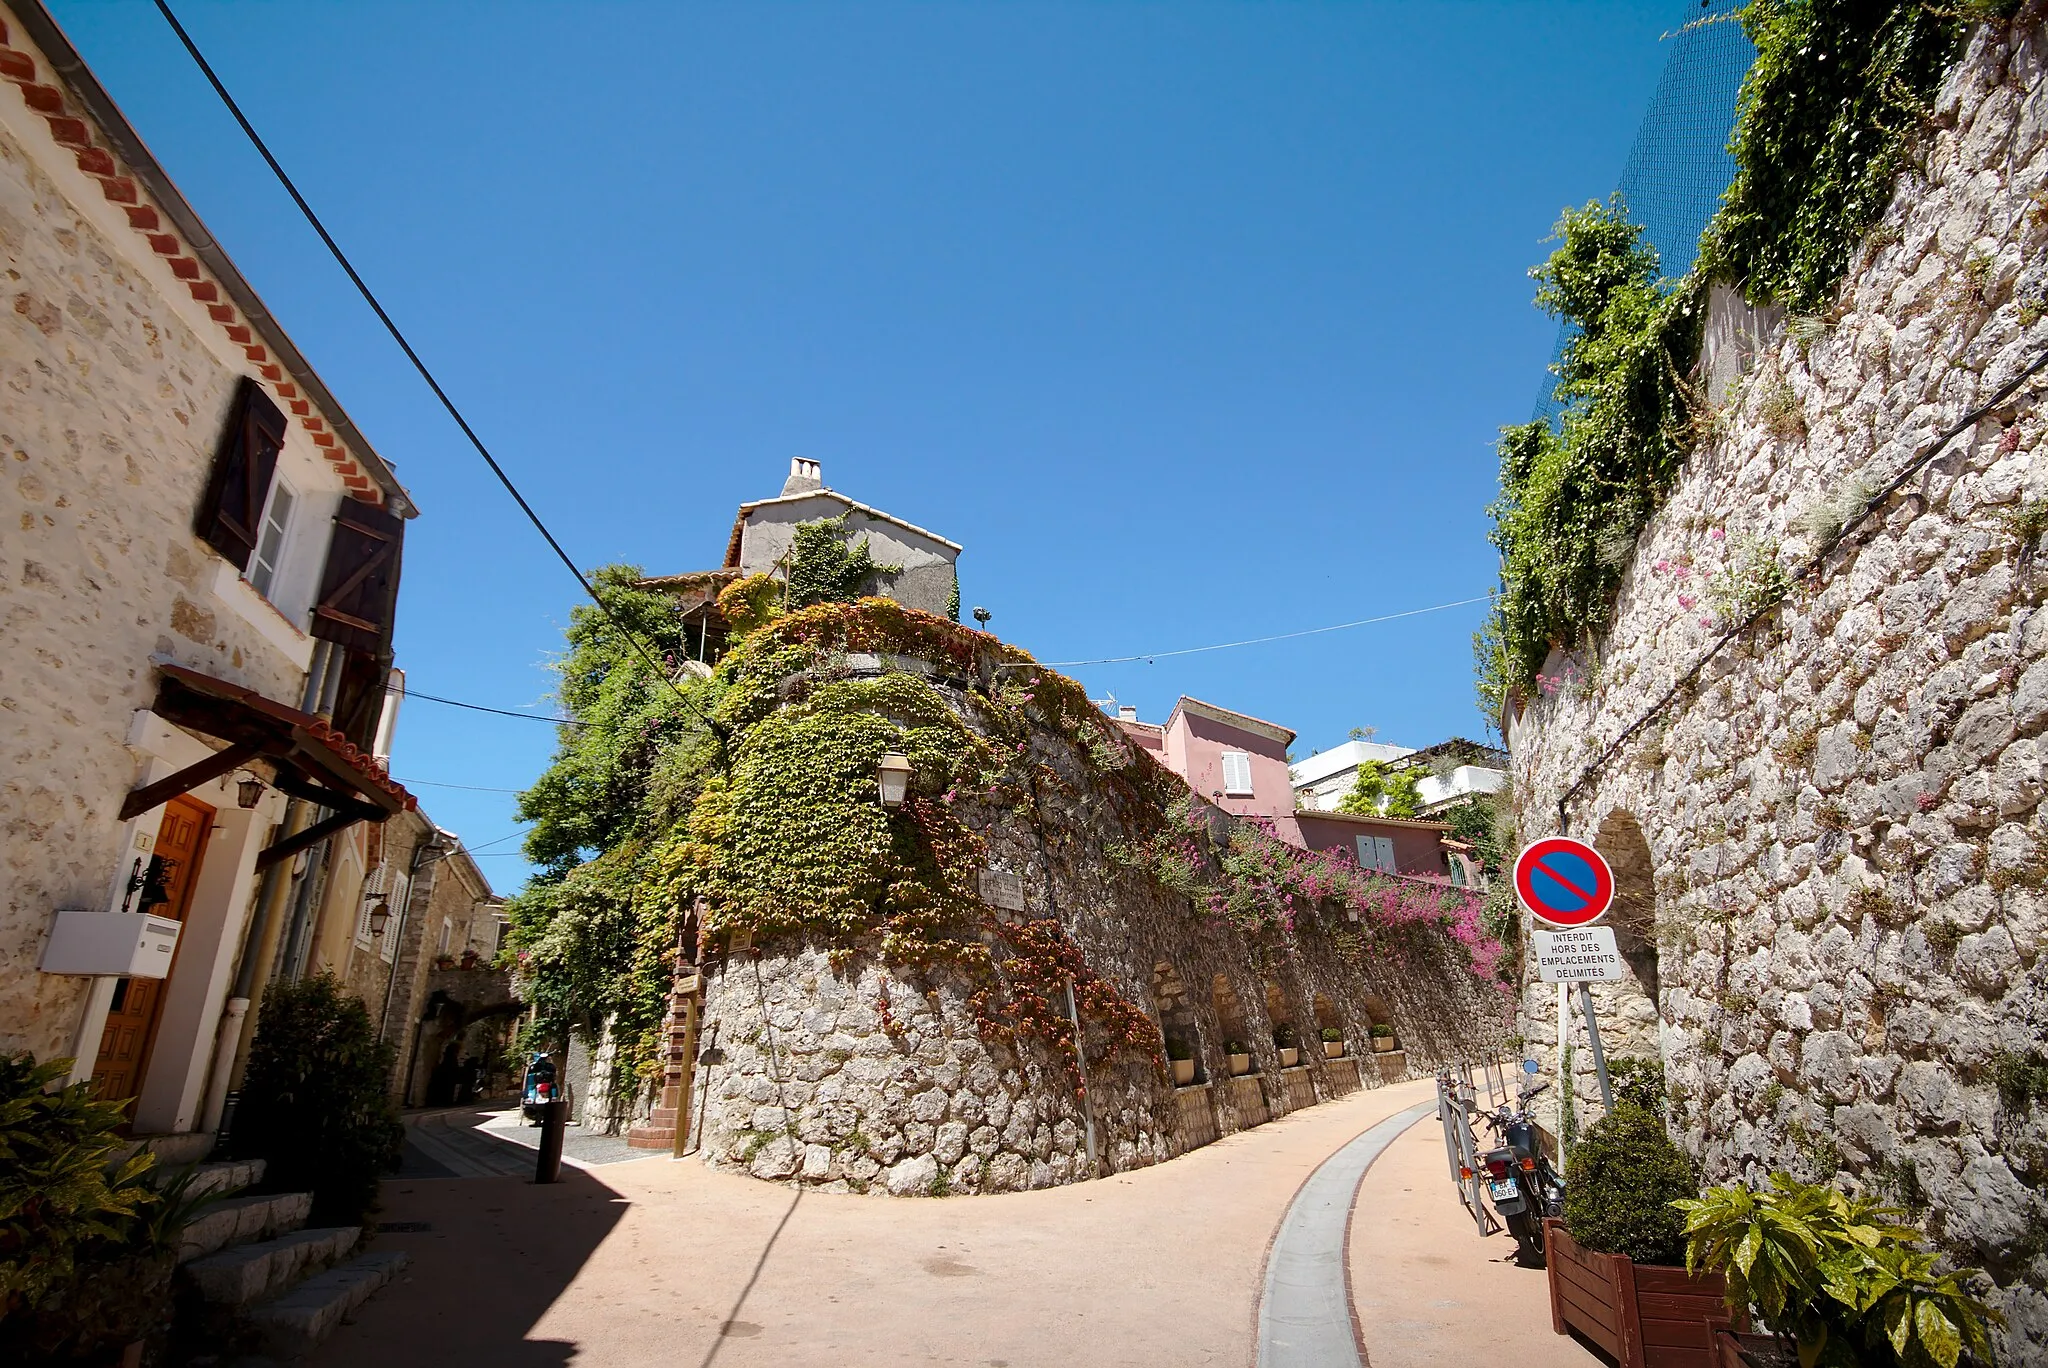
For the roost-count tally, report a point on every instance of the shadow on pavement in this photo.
(489, 1257)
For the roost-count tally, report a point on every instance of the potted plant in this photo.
(1182, 1057)
(1837, 1279)
(1284, 1042)
(1382, 1038)
(1333, 1043)
(1615, 1262)
(470, 958)
(1240, 1058)
(444, 961)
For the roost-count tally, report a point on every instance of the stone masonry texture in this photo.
(111, 410)
(805, 1081)
(1830, 851)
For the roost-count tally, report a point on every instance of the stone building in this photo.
(198, 589)
(1828, 844)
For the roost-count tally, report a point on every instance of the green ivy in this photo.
(825, 568)
(1382, 791)
(1826, 121)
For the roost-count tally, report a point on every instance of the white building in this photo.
(1322, 780)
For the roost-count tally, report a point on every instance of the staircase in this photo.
(253, 1278)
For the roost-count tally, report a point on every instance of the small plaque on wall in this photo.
(1000, 888)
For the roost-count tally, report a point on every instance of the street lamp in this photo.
(249, 791)
(379, 916)
(893, 775)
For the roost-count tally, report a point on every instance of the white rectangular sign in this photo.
(1585, 955)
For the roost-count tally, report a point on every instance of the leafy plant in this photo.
(1332, 1035)
(1383, 791)
(825, 567)
(314, 1103)
(1751, 580)
(1177, 1048)
(60, 1191)
(1284, 1037)
(1234, 1047)
(1382, 1031)
(1825, 518)
(2021, 1079)
(1625, 1176)
(1638, 1082)
(1837, 1275)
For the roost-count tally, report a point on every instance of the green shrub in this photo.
(314, 1106)
(1332, 1035)
(86, 1244)
(1176, 1048)
(1382, 1031)
(1625, 1175)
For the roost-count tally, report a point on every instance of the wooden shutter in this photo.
(1385, 846)
(231, 515)
(1237, 772)
(359, 589)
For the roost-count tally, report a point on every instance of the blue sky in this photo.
(1192, 322)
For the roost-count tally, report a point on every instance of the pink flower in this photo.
(1717, 535)
(1686, 601)
(1662, 566)
(1706, 622)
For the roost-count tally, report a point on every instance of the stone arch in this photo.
(1326, 1013)
(1634, 918)
(1280, 1014)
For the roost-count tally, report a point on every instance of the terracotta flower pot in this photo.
(1240, 1065)
(1333, 1049)
(1289, 1056)
(1183, 1072)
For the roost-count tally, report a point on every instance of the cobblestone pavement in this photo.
(669, 1263)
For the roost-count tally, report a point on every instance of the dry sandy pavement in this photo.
(1427, 1290)
(658, 1262)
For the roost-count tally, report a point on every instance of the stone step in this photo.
(240, 1220)
(292, 1324)
(249, 1273)
(226, 1177)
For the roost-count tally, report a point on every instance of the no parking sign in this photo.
(1564, 881)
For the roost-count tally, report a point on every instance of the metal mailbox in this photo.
(136, 944)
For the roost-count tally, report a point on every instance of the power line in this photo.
(478, 707)
(1260, 641)
(362, 288)
(470, 788)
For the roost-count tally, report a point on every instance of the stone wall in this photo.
(113, 403)
(1831, 849)
(875, 1077)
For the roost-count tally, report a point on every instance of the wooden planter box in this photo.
(1645, 1315)
(1753, 1351)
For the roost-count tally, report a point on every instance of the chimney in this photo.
(1127, 713)
(803, 477)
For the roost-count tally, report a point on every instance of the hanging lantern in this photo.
(249, 791)
(380, 916)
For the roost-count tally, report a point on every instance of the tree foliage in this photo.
(1384, 791)
(1625, 1175)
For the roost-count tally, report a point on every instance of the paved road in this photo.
(667, 1263)
(492, 1140)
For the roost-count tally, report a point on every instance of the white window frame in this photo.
(281, 553)
(401, 889)
(1243, 765)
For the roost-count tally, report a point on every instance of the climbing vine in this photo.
(824, 567)
(1826, 122)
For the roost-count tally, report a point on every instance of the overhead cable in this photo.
(1260, 641)
(404, 692)
(362, 288)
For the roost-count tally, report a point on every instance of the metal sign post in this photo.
(1599, 1055)
(1567, 884)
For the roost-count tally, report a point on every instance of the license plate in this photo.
(1504, 1188)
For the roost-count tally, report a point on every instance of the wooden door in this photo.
(138, 1002)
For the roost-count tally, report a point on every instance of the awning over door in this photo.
(313, 761)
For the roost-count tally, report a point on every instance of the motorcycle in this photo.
(1519, 1181)
(538, 1091)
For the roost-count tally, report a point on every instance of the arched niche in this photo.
(1229, 1011)
(1634, 917)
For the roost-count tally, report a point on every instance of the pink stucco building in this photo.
(1239, 763)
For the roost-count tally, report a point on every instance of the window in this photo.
(1237, 772)
(1376, 852)
(277, 521)
(1457, 871)
(387, 944)
(447, 934)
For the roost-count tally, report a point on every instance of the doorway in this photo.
(138, 1002)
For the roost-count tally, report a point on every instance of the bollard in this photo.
(547, 1167)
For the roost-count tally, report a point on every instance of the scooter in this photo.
(1519, 1180)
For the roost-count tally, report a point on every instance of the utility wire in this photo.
(1260, 641)
(362, 288)
(478, 707)
(467, 788)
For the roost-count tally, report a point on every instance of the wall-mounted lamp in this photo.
(151, 881)
(380, 915)
(248, 790)
(893, 774)
(982, 615)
